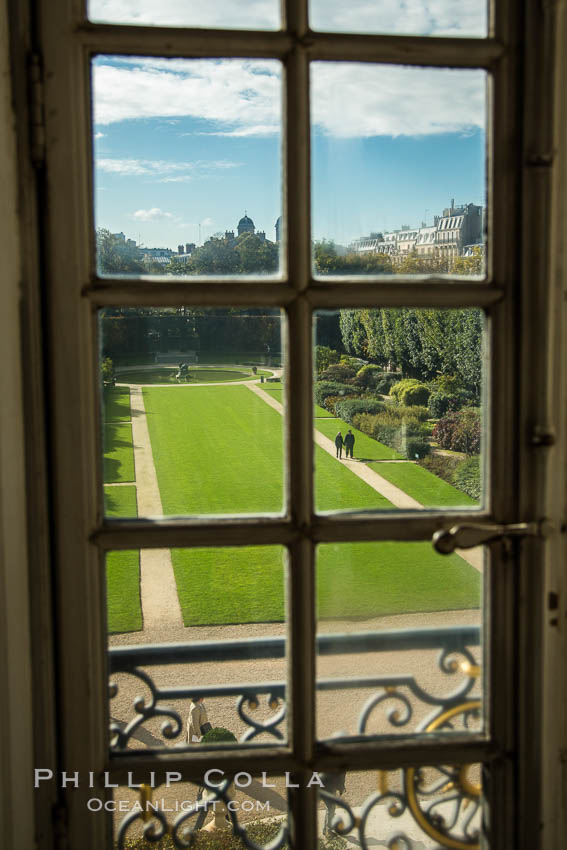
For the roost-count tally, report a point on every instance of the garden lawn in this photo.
(196, 374)
(427, 488)
(354, 581)
(116, 403)
(363, 580)
(365, 447)
(124, 610)
(221, 449)
(277, 393)
(118, 453)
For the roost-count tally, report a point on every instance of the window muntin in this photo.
(96, 294)
(230, 14)
(416, 17)
(391, 146)
(185, 153)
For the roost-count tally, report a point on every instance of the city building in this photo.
(451, 235)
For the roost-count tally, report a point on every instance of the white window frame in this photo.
(522, 283)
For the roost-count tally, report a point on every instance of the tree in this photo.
(115, 256)
(328, 260)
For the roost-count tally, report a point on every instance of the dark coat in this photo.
(338, 440)
(349, 441)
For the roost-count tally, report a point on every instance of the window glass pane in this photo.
(200, 635)
(256, 804)
(399, 172)
(187, 165)
(225, 14)
(188, 427)
(398, 408)
(399, 639)
(405, 808)
(402, 17)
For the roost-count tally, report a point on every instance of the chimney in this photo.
(187, 248)
(452, 204)
(180, 249)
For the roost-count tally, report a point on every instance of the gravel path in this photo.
(158, 590)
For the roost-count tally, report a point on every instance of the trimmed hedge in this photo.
(369, 375)
(407, 436)
(338, 372)
(410, 391)
(349, 407)
(322, 389)
(387, 381)
(467, 476)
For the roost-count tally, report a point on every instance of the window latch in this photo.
(467, 536)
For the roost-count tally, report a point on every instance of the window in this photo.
(483, 731)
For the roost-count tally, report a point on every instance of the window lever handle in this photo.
(467, 536)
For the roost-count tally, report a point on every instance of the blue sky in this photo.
(183, 143)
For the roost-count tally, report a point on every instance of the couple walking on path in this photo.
(347, 442)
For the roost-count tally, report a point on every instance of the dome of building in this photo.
(246, 225)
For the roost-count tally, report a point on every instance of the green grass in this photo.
(118, 453)
(365, 447)
(166, 375)
(124, 611)
(219, 450)
(277, 393)
(232, 585)
(216, 450)
(362, 580)
(427, 488)
(116, 403)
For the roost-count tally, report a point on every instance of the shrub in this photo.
(107, 370)
(369, 375)
(217, 733)
(443, 466)
(410, 391)
(354, 362)
(415, 394)
(416, 411)
(338, 372)
(459, 431)
(387, 381)
(324, 356)
(390, 428)
(467, 476)
(416, 448)
(324, 388)
(330, 402)
(441, 403)
(346, 408)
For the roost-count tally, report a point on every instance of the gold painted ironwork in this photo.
(461, 782)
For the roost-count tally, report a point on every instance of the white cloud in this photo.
(163, 171)
(261, 14)
(99, 135)
(420, 17)
(350, 100)
(232, 94)
(242, 98)
(417, 17)
(152, 215)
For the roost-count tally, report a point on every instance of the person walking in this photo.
(349, 442)
(333, 783)
(339, 444)
(197, 722)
